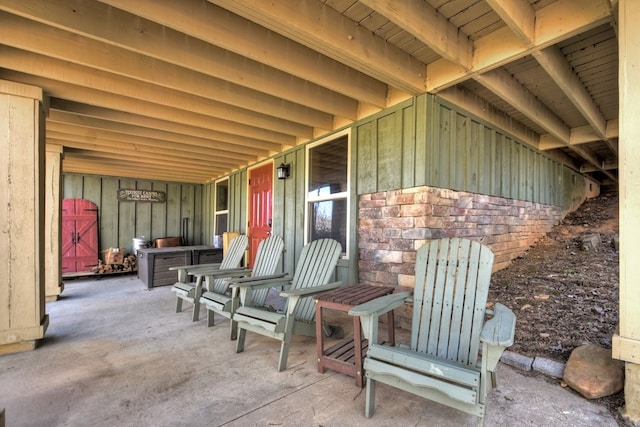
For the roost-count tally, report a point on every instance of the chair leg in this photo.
(210, 318)
(234, 329)
(240, 343)
(284, 353)
(196, 309)
(370, 398)
(178, 304)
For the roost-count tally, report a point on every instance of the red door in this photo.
(260, 211)
(79, 235)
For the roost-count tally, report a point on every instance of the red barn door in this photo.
(79, 235)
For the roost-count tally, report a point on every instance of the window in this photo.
(221, 207)
(327, 204)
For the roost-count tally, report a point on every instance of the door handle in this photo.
(73, 237)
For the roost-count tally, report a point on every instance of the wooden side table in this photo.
(347, 355)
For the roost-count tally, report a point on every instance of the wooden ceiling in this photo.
(191, 90)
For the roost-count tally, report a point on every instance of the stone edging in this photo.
(543, 365)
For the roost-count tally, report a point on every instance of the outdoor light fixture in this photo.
(283, 171)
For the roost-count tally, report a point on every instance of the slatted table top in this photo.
(355, 294)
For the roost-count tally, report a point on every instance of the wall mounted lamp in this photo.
(283, 171)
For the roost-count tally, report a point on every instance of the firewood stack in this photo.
(128, 264)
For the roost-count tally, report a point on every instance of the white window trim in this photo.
(341, 195)
(215, 204)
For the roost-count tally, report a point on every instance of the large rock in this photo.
(592, 372)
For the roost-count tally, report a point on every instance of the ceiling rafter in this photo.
(323, 29)
(219, 27)
(124, 31)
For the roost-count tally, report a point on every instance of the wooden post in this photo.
(23, 320)
(626, 343)
(53, 223)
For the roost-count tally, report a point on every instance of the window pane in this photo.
(222, 198)
(328, 168)
(328, 219)
(221, 224)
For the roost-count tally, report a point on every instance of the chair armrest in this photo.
(500, 329)
(304, 292)
(248, 280)
(194, 266)
(381, 305)
(227, 272)
(260, 282)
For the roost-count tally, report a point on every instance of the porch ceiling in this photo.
(190, 90)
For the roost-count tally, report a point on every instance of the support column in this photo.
(23, 320)
(53, 223)
(626, 343)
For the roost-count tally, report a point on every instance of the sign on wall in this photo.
(141, 196)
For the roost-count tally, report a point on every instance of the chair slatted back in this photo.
(450, 296)
(315, 267)
(266, 263)
(231, 259)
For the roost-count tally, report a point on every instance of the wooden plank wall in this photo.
(120, 222)
(427, 141)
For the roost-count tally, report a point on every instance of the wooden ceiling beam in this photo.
(242, 103)
(229, 143)
(428, 26)
(74, 165)
(134, 141)
(325, 30)
(85, 94)
(272, 141)
(114, 45)
(556, 22)
(217, 26)
(510, 90)
(518, 15)
(104, 144)
(559, 69)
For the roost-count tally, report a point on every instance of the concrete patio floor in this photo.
(117, 354)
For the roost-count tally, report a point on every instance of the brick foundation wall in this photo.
(394, 224)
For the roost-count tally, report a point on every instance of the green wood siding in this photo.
(119, 222)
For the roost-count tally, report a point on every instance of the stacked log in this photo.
(128, 264)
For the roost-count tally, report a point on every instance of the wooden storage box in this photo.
(114, 256)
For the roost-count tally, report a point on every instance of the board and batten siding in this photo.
(428, 141)
(121, 221)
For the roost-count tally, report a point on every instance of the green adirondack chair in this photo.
(315, 268)
(218, 299)
(230, 266)
(449, 327)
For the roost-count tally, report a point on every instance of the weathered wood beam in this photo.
(518, 15)
(557, 66)
(556, 22)
(229, 157)
(323, 29)
(272, 141)
(428, 26)
(101, 145)
(85, 94)
(73, 165)
(217, 26)
(117, 41)
(219, 141)
(510, 90)
(227, 100)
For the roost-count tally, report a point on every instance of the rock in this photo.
(592, 372)
(591, 241)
